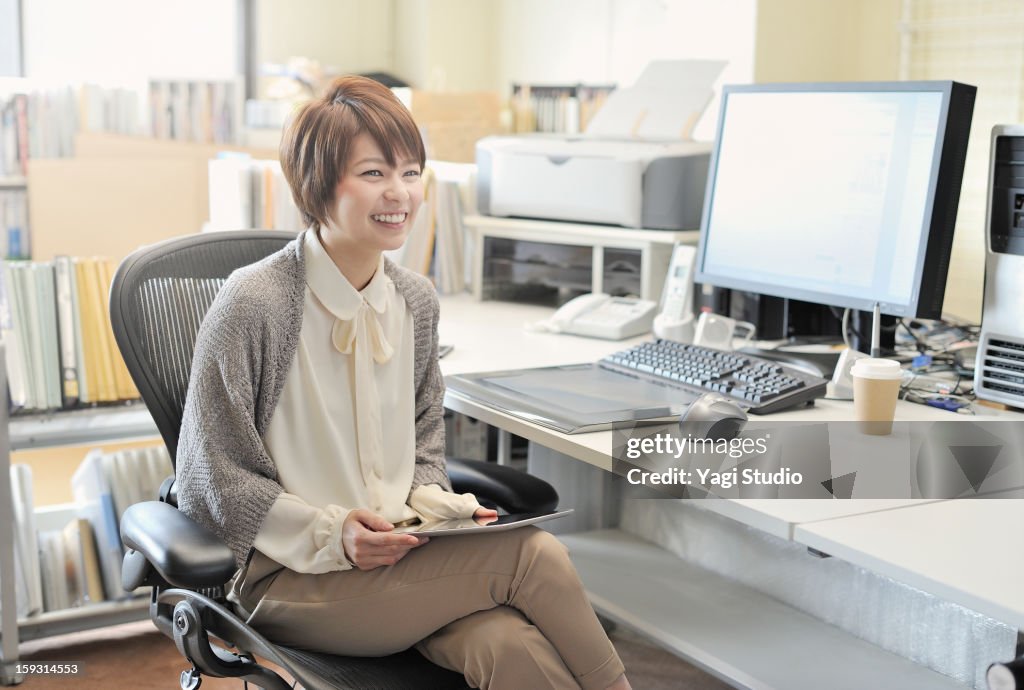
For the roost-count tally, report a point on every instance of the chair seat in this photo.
(408, 670)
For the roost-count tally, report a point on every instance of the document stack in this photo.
(247, 193)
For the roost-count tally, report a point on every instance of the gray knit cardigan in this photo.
(244, 350)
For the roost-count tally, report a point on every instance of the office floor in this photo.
(137, 656)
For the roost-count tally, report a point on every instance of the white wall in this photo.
(125, 41)
(447, 45)
(827, 40)
(610, 41)
(347, 36)
(465, 45)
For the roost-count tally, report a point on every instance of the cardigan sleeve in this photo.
(226, 480)
(430, 463)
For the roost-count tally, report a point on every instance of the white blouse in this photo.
(343, 433)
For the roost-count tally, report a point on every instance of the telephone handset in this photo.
(675, 321)
(602, 316)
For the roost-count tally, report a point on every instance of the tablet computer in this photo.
(444, 528)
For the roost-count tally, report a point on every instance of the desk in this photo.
(734, 631)
(978, 565)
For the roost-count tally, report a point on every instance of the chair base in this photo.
(196, 617)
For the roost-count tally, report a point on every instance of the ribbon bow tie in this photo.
(363, 337)
(362, 333)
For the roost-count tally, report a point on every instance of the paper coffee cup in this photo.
(876, 387)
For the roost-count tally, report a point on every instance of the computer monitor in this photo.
(842, 194)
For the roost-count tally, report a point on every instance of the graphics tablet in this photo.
(575, 398)
(444, 528)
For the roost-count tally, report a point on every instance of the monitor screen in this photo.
(841, 194)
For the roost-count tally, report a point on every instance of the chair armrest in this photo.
(183, 552)
(512, 490)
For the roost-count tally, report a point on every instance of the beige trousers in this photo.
(505, 609)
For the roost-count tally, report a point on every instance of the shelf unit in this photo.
(13, 182)
(40, 431)
(654, 246)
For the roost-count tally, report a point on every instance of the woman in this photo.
(313, 424)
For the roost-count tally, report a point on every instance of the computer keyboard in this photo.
(761, 385)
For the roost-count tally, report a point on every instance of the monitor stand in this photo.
(862, 324)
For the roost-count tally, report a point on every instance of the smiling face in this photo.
(375, 203)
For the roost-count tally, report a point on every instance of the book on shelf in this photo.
(92, 312)
(69, 574)
(61, 351)
(104, 485)
(196, 110)
(46, 307)
(89, 563)
(124, 387)
(78, 549)
(90, 486)
(17, 376)
(14, 237)
(69, 564)
(110, 109)
(564, 109)
(10, 165)
(249, 193)
(53, 576)
(450, 238)
(69, 333)
(26, 547)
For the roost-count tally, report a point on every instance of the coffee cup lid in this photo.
(873, 368)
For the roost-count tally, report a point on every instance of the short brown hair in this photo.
(315, 145)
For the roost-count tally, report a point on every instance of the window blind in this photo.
(978, 42)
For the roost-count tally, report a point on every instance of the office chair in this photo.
(158, 298)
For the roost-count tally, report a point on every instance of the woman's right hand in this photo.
(368, 544)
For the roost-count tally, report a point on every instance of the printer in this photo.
(635, 166)
(658, 185)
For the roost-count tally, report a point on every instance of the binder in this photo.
(98, 367)
(105, 336)
(10, 318)
(123, 386)
(69, 336)
(52, 577)
(90, 563)
(95, 503)
(47, 306)
(32, 334)
(71, 568)
(26, 546)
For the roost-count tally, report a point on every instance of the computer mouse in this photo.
(713, 416)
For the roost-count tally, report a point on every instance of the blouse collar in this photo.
(330, 286)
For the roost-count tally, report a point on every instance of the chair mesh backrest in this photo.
(158, 298)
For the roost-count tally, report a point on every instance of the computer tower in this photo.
(999, 369)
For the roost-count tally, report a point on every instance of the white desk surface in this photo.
(490, 336)
(966, 551)
(960, 550)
